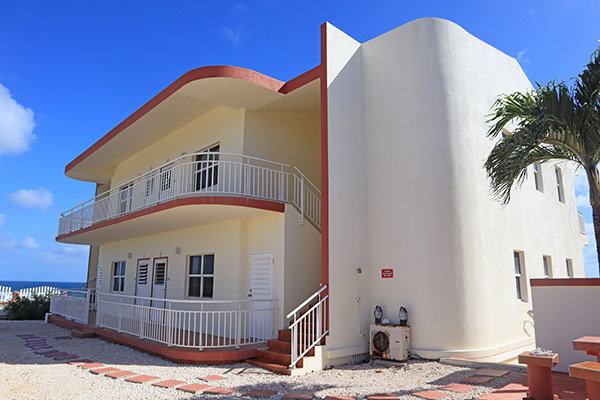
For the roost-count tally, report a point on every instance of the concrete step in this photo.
(278, 356)
(83, 334)
(269, 365)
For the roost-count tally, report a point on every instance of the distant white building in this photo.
(230, 198)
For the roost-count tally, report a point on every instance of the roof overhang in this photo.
(192, 95)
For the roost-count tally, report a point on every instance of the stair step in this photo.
(82, 334)
(280, 344)
(278, 356)
(271, 366)
(285, 335)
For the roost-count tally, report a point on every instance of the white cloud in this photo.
(2, 220)
(522, 57)
(29, 243)
(12, 245)
(40, 198)
(234, 36)
(583, 201)
(16, 124)
(66, 254)
(239, 9)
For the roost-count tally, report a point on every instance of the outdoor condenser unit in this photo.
(390, 342)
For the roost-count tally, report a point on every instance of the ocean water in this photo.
(18, 285)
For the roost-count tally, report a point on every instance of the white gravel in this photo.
(26, 375)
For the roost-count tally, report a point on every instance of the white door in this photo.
(166, 183)
(159, 282)
(261, 286)
(144, 277)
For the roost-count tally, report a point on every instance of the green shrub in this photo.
(28, 309)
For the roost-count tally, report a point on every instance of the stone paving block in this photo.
(457, 387)
(220, 390)
(496, 373)
(193, 388)
(41, 347)
(104, 370)
(66, 357)
(260, 393)
(90, 365)
(298, 396)
(60, 353)
(81, 361)
(121, 374)
(211, 378)
(430, 394)
(382, 397)
(62, 337)
(142, 378)
(340, 398)
(478, 379)
(50, 350)
(169, 383)
(53, 353)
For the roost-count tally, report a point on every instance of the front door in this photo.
(262, 269)
(142, 283)
(159, 282)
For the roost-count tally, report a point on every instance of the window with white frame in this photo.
(201, 276)
(559, 185)
(547, 260)
(520, 276)
(537, 177)
(118, 276)
(569, 263)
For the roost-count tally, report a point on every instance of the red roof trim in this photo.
(566, 282)
(217, 71)
(219, 200)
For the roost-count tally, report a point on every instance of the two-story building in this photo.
(232, 206)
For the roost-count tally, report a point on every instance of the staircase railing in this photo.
(308, 324)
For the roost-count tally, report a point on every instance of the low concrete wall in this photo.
(564, 310)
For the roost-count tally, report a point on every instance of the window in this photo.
(207, 168)
(569, 268)
(559, 185)
(201, 276)
(547, 266)
(125, 195)
(537, 177)
(118, 276)
(519, 276)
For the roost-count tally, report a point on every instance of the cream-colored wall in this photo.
(302, 260)
(288, 137)
(222, 125)
(563, 314)
(419, 199)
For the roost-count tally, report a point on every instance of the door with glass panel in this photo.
(143, 279)
(207, 169)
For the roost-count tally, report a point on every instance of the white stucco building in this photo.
(371, 161)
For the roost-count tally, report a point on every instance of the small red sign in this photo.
(387, 273)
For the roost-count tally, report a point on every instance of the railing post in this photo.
(86, 308)
(169, 324)
(120, 314)
(301, 199)
(238, 329)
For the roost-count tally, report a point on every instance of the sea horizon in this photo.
(19, 285)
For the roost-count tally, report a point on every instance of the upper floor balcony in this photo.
(204, 175)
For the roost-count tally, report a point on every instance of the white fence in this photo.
(308, 323)
(6, 294)
(73, 304)
(189, 323)
(201, 174)
(40, 291)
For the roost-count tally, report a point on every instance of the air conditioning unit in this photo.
(390, 342)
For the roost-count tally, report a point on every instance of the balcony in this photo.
(203, 174)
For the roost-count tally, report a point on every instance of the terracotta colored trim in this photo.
(187, 356)
(215, 71)
(301, 80)
(324, 163)
(186, 201)
(566, 282)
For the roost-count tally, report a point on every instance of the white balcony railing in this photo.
(73, 304)
(189, 323)
(201, 174)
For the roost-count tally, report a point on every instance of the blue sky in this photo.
(70, 71)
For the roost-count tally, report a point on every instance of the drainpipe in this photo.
(358, 272)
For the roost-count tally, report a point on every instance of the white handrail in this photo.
(204, 301)
(305, 302)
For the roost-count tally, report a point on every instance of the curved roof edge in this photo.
(214, 71)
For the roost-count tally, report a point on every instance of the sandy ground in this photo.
(26, 375)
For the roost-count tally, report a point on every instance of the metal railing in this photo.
(73, 304)
(40, 291)
(308, 324)
(201, 174)
(6, 294)
(189, 323)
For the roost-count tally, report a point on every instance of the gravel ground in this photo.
(26, 375)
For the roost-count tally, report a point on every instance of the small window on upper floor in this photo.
(537, 177)
(547, 260)
(520, 279)
(569, 265)
(559, 185)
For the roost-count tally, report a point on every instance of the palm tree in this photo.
(552, 122)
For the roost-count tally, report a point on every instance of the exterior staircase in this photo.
(298, 349)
